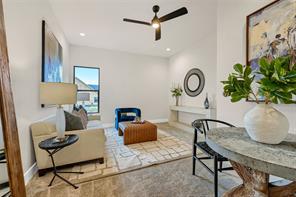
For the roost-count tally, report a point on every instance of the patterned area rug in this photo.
(167, 147)
(121, 158)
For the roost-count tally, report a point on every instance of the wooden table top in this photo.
(236, 145)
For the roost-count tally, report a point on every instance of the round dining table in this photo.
(254, 162)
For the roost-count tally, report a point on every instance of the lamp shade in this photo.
(58, 93)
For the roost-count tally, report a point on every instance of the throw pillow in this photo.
(84, 110)
(75, 108)
(73, 122)
(82, 115)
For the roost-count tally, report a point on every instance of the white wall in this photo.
(23, 30)
(231, 49)
(201, 55)
(127, 80)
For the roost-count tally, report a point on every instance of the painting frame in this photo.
(271, 7)
(56, 66)
(44, 55)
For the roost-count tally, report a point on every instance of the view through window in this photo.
(88, 81)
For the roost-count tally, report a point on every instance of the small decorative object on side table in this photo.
(138, 120)
(52, 147)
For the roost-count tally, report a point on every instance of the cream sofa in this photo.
(90, 146)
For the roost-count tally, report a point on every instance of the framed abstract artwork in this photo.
(271, 33)
(52, 56)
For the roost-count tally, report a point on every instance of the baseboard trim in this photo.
(30, 173)
(108, 125)
(164, 120)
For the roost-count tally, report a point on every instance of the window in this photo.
(88, 81)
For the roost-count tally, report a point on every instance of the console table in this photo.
(254, 162)
(199, 111)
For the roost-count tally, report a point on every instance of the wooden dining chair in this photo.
(202, 126)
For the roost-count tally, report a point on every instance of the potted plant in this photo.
(177, 92)
(277, 84)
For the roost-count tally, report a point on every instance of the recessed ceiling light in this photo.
(82, 34)
(168, 49)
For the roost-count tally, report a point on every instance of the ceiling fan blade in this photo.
(177, 13)
(136, 21)
(158, 33)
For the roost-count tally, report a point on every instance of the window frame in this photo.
(97, 91)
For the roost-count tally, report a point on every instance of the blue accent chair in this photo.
(120, 115)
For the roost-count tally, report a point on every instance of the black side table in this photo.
(52, 147)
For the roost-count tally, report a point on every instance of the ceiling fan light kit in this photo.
(155, 22)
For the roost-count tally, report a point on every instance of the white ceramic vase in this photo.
(265, 124)
(60, 123)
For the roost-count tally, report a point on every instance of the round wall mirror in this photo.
(194, 82)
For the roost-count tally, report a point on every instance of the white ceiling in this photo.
(101, 21)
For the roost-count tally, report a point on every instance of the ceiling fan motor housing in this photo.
(155, 9)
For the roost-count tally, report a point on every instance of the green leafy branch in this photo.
(238, 84)
(176, 91)
(278, 84)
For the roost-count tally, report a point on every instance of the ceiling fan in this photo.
(155, 23)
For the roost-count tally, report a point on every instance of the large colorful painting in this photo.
(271, 32)
(52, 56)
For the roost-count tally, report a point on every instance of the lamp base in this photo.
(60, 123)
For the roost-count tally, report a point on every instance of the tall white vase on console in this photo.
(265, 124)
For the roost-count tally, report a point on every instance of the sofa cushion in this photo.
(73, 122)
(94, 124)
(82, 115)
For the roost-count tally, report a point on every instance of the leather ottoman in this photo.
(135, 133)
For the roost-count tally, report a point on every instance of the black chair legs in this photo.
(202, 126)
(220, 166)
(193, 159)
(193, 166)
(216, 175)
(214, 172)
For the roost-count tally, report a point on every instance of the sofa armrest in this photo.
(42, 128)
